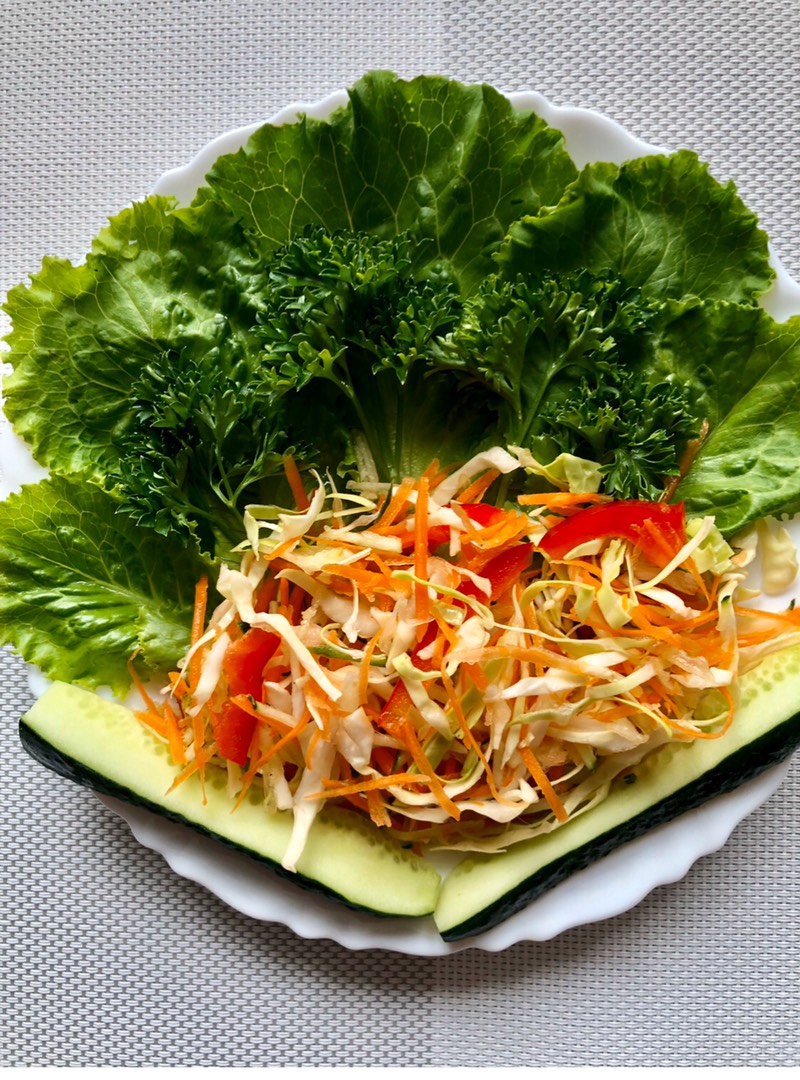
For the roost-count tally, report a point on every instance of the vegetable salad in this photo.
(454, 447)
(466, 675)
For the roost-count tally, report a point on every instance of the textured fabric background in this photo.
(110, 959)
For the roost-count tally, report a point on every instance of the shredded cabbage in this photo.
(465, 694)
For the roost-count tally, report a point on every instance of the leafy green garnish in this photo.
(346, 319)
(529, 339)
(662, 223)
(453, 165)
(82, 587)
(634, 430)
(204, 440)
(423, 275)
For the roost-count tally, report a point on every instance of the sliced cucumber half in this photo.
(101, 744)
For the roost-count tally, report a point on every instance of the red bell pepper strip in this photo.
(501, 571)
(243, 668)
(233, 732)
(658, 529)
(395, 711)
(482, 514)
(383, 759)
(245, 660)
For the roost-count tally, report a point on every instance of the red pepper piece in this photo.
(395, 711)
(437, 535)
(483, 514)
(382, 759)
(243, 669)
(501, 571)
(450, 767)
(233, 732)
(658, 529)
(245, 661)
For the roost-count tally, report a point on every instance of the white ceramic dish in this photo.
(607, 888)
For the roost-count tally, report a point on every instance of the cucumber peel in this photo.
(101, 744)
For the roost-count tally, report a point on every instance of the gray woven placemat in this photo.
(110, 959)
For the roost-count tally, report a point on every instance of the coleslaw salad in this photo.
(465, 675)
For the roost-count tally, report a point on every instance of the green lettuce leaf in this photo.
(718, 350)
(159, 283)
(454, 165)
(82, 587)
(661, 223)
(750, 386)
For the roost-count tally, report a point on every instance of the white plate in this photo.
(607, 888)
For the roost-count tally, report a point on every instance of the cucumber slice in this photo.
(483, 891)
(102, 745)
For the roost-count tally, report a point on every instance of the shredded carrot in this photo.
(177, 749)
(478, 488)
(198, 625)
(295, 483)
(316, 735)
(409, 737)
(421, 598)
(432, 471)
(383, 565)
(369, 581)
(164, 721)
(363, 674)
(280, 550)
(318, 703)
(177, 684)
(510, 525)
(265, 717)
(297, 601)
(378, 812)
(373, 784)
(561, 499)
(445, 629)
(396, 504)
(266, 593)
(476, 675)
(137, 682)
(152, 720)
(544, 785)
(199, 733)
(195, 766)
